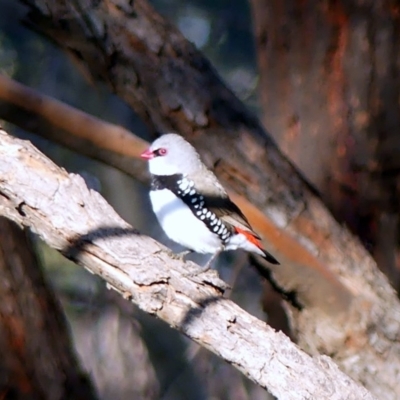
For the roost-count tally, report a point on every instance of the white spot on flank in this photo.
(184, 185)
(192, 192)
(194, 200)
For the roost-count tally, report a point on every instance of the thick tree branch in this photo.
(78, 222)
(72, 128)
(66, 118)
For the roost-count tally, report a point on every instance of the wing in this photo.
(217, 200)
(230, 214)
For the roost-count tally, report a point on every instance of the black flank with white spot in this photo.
(183, 188)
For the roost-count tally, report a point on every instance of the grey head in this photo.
(171, 154)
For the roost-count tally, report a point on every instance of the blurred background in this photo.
(321, 75)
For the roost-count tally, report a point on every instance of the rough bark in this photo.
(350, 311)
(329, 86)
(37, 360)
(79, 223)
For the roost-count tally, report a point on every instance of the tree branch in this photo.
(72, 128)
(78, 222)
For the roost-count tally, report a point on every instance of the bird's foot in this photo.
(206, 267)
(180, 256)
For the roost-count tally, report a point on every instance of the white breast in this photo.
(180, 225)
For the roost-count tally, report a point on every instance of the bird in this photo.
(192, 206)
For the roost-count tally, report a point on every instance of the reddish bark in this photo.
(37, 359)
(329, 87)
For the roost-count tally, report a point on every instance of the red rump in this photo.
(249, 236)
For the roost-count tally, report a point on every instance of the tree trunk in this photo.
(37, 360)
(330, 84)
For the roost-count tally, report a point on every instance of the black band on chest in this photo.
(183, 188)
(170, 182)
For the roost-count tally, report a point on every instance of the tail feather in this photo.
(254, 240)
(270, 258)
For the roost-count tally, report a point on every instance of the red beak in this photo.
(147, 155)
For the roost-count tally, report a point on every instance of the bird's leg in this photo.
(208, 264)
(210, 261)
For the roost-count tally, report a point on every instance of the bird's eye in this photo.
(161, 152)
